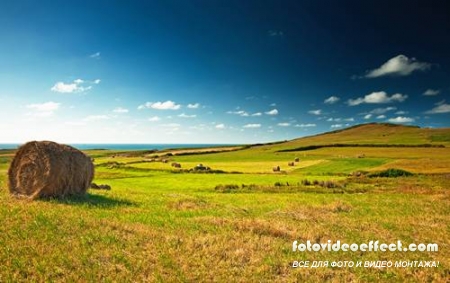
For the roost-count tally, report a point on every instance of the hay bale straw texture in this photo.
(43, 169)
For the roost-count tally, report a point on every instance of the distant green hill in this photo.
(376, 134)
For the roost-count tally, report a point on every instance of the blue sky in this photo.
(219, 71)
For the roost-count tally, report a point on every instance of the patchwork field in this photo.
(237, 222)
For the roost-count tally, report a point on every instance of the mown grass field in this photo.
(161, 224)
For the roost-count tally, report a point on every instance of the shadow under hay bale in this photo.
(94, 186)
(48, 169)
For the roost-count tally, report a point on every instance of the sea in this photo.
(125, 146)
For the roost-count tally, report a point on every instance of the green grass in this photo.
(161, 225)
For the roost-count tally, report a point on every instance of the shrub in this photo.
(392, 173)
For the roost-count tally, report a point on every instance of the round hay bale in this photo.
(48, 169)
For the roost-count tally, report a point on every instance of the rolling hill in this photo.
(372, 134)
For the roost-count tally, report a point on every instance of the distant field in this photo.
(162, 224)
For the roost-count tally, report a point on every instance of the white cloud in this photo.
(400, 66)
(256, 114)
(167, 105)
(381, 116)
(377, 98)
(304, 125)
(350, 119)
(368, 116)
(336, 126)
(154, 119)
(275, 33)
(76, 86)
(441, 107)
(401, 119)
(65, 88)
(252, 126)
(331, 100)
(220, 126)
(193, 105)
(284, 124)
(44, 107)
(431, 92)
(95, 55)
(96, 118)
(315, 112)
(239, 112)
(378, 111)
(272, 112)
(183, 115)
(401, 112)
(273, 105)
(120, 110)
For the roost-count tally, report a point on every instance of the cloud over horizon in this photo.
(166, 105)
(379, 97)
(431, 92)
(77, 86)
(441, 107)
(399, 65)
(401, 119)
(332, 100)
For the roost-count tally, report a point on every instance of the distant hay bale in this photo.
(49, 169)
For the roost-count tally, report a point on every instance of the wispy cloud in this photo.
(431, 92)
(332, 100)
(274, 33)
(76, 86)
(95, 55)
(368, 116)
(378, 111)
(339, 119)
(336, 126)
(252, 126)
(65, 88)
(284, 124)
(193, 105)
(239, 112)
(305, 125)
(47, 106)
(381, 117)
(183, 115)
(220, 126)
(398, 66)
(154, 119)
(315, 112)
(272, 112)
(256, 114)
(401, 119)
(120, 110)
(166, 105)
(378, 98)
(43, 109)
(441, 107)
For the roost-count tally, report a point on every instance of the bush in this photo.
(227, 187)
(392, 173)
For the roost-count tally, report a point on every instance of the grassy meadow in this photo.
(237, 223)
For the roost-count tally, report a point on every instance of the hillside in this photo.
(373, 133)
